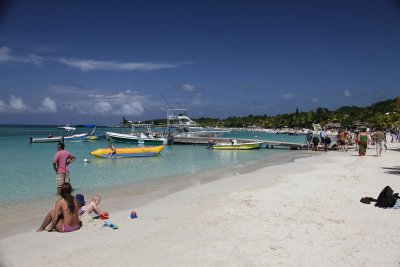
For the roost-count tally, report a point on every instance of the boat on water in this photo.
(128, 152)
(71, 135)
(49, 139)
(146, 136)
(181, 125)
(74, 136)
(234, 145)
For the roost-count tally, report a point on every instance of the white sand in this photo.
(305, 213)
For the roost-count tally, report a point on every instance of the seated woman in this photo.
(65, 216)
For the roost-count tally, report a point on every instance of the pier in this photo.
(266, 143)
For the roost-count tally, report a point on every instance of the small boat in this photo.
(73, 136)
(70, 136)
(76, 138)
(50, 139)
(128, 152)
(237, 146)
(148, 137)
(119, 137)
(182, 126)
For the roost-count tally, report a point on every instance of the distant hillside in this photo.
(381, 114)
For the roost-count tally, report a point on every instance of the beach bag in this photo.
(386, 199)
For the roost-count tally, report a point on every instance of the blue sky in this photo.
(97, 61)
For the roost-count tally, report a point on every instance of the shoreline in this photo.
(304, 212)
(131, 195)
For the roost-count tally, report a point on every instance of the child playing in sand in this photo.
(92, 207)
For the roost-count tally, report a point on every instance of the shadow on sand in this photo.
(394, 149)
(392, 170)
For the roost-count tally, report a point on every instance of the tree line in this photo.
(384, 114)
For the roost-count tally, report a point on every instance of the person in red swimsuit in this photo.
(64, 218)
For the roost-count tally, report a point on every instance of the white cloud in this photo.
(288, 96)
(188, 87)
(3, 105)
(134, 108)
(102, 107)
(35, 59)
(347, 93)
(67, 91)
(17, 104)
(198, 102)
(122, 103)
(314, 100)
(48, 105)
(6, 55)
(88, 65)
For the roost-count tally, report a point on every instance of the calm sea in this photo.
(26, 170)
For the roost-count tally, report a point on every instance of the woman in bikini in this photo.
(65, 216)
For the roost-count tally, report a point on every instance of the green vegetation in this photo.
(124, 122)
(381, 114)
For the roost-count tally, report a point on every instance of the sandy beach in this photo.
(302, 213)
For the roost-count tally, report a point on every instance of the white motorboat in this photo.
(183, 126)
(148, 137)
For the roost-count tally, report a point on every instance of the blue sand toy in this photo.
(111, 225)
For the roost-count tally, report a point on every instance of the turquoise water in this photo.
(26, 170)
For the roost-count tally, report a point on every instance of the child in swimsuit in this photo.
(92, 207)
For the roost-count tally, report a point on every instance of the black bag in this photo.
(386, 199)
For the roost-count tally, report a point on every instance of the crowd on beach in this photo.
(359, 139)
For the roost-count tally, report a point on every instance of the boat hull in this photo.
(242, 146)
(124, 138)
(129, 138)
(56, 139)
(76, 138)
(128, 152)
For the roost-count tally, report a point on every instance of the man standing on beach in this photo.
(60, 164)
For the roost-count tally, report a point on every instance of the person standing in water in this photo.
(60, 164)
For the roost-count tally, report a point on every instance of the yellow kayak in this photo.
(241, 146)
(127, 152)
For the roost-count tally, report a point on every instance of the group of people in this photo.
(65, 217)
(344, 138)
(313, 142)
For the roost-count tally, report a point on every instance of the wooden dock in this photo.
(205, 140)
